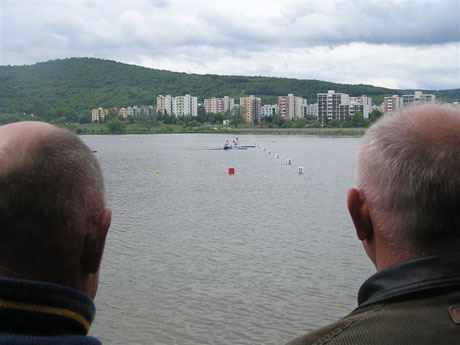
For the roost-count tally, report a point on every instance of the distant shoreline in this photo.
(172, 129)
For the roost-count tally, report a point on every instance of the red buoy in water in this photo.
(231, 171)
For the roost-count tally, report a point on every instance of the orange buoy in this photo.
(231, 171)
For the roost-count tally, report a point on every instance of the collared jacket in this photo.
(40, 313)
(413, 302)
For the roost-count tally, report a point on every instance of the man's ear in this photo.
(359, 212)
(95, 241)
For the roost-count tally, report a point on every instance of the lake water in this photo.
(197, 256)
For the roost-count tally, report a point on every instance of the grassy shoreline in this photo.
(100, 129)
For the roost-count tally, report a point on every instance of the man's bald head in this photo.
(409, 171)
(51, 189)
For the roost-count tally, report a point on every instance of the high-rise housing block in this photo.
(251, 109)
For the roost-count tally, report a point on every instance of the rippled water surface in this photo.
(195, 256)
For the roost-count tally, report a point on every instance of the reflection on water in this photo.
(196, 256)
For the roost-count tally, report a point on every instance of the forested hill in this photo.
(79, 84)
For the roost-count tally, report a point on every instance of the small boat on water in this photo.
(236, 145)
(233, 147)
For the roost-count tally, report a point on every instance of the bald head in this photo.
(51, 194)
(17, 142)
(409, 171)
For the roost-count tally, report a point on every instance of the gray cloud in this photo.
(252, 37)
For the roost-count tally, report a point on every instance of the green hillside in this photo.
(76, 85)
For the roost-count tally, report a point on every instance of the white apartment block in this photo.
(178, 106)
(417, 98)
(133, 111)
(122, 112)
(329, 105)
(362, 100)
(98, 114)
(251, 109)
(310, 109)
(290, 106)
(339, 106)
(361, 105)
(352, 108)
(268, 110)
(395, 102)
(218, 105)
(164, 104)
(146, 110)
(185, 105)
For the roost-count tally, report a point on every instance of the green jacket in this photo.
(414, 302)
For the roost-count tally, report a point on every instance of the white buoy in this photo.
(277, 156)
(288, 162)
(300, 170)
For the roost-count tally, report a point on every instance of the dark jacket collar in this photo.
(38, 308)
(423, 275)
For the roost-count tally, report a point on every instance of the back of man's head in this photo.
(51, 190)
(409, 171)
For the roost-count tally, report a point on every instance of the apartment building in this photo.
(185, 105)
(122, 112)
(251, 109)
(164, 104)
(340, 106)
(417, 98)
(352, 108)
(268, 110)
(178, 105)
(310, 109)
(391, 104)
(290, 106)
(98, 114)
(395, 102)
(329, 105)
(218, 105)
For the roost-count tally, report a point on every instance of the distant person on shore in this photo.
(406, 212)
(53, 226)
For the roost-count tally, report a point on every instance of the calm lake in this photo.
(197, 256)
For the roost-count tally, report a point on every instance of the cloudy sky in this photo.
(397, 44)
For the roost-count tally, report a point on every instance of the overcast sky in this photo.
(396, 44)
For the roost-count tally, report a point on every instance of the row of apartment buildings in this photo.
(395, 102)
(330, 106)
(98, 114)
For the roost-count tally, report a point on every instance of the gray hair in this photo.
(409, 170)
(44, 202)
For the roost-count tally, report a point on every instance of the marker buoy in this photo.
(231, 171)
(300, 170)
(269, 152)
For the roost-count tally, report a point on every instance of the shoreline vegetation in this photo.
(115, 126)
(101, 129)
(326, 132)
